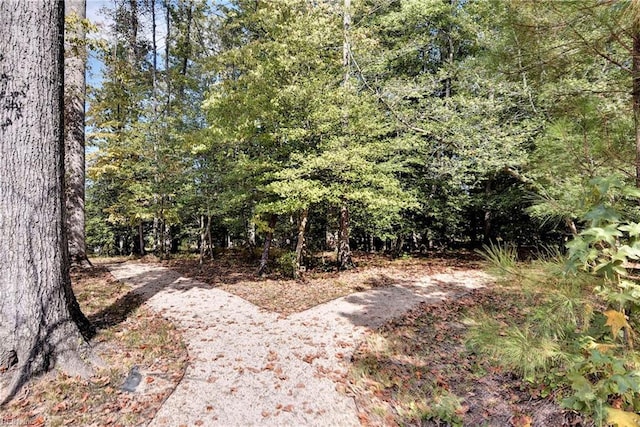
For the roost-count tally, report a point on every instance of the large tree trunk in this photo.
(74, 69)
(41, 324)
(264, 259)
(300, 244)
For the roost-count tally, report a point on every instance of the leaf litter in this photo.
(122, 341)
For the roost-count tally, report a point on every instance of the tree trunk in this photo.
(397, 250)
(251, 234)
(636, 96)
(203, 237)
(487, 224)
(209, 238)
(264, 259)
(41, 324)
(132, 52)
(141, 238)
(344, 249)
(300, 243)
(74, 69)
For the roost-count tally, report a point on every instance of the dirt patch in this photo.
(415, 370)
(233, 272)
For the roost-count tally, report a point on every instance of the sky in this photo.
(94, 72)
(95, 15)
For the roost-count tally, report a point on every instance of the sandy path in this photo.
(251, 367)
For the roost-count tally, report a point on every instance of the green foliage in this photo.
(286, 264)
(561, 342)
(527, 350)
(503, 257)
(445, 407)
(599, 378)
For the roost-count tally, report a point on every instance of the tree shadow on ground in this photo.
(145, 285)
(407, 362)
(391, 298)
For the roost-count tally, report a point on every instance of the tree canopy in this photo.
(430, 124)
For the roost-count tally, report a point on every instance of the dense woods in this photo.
(397, 126)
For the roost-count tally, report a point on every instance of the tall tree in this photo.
(74, 138)
(41, 324)
(344, 248)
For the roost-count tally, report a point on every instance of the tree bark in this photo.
(74, 138)
(264, 259)
(41, 324)
(203, 237)
(344, 250)
(132, 52)
(300, 243)
(141, 238)
(636, 96)
(345, 261)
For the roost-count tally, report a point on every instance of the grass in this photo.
(140, 338)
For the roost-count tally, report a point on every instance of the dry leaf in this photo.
(617, 321)
(620, 418)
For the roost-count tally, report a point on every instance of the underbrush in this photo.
(536, 348)
(575, 340)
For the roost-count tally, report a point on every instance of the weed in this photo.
(502, 257)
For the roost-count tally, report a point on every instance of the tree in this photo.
(41, 324)
(75, 64)
(580, 59)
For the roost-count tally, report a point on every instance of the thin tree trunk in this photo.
(399, 244)
(75, 64)
(40, 320)
(203, 237)
(209, 238)
(141, 238)
(486, 228)
(345, 261)
(264, 259)
(300, 243)
(636, 96)
(571, 226)
(344, 250)
(132, 53)
(251, 234)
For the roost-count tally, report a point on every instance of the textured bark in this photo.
(300, 244)
(41, 324)
(264, 259)
(74, 138)
(636, 96)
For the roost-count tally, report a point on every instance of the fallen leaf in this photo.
(620, 418)
(617, 321)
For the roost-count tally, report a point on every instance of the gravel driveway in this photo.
(249, 366)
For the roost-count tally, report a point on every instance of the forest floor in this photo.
(383, 344)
